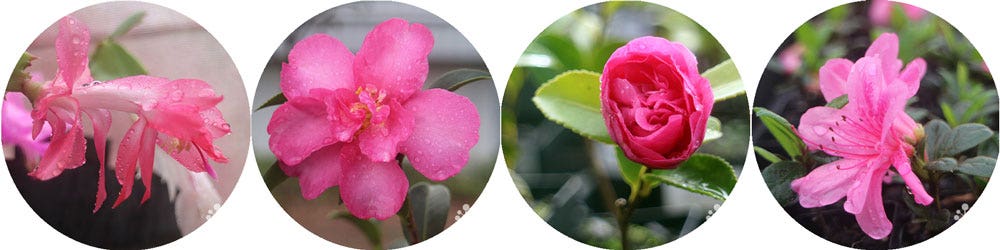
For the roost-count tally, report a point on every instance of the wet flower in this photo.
(17, 127)
(871, 134)
(349, 116)
(655, 103)
(177, 115)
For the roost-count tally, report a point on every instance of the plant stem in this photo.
(408, 223)
(625, 213)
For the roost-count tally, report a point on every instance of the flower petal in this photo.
(902, 164)
(319, 171)
(288, 124)
(837, 132)
(100, 119)
(886, 49)
(911, 76)
(318, 61)
(147, 152)
(128, 155)
(827, 183)
(445, 128)
(72, 43)
(871, 218)
(833, 78)
(393, 57)
(67, 149)
(371, 189)
(380, 142)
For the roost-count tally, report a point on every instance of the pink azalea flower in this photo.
(880, 12)
(870, 134)
(179, 116)
(791, 58)
(17, 127)
(349, 116)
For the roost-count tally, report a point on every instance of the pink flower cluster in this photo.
(349, 116)
(871, 134)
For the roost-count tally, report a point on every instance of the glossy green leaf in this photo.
(562, 49)
(782, 131)
(367, 227)
(111, 61)
(20, 74)
(631, 171)
(713, 129)
(838, 102)
(275, 100)
(428, 204)
(127, 25)
(725, 80)
(572, 99)
(767, 155)
(943, 141)
(946, 164)
(455, 79)
(981, 166)
(779, 177)
(702, 173)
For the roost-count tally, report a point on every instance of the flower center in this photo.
(371, 103)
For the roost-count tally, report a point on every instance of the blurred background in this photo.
(350, 23)
(957, 88)
(571, 181)
(170, 45)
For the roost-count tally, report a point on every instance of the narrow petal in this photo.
(320, 171)
(318, 61)
(902, 164)
(833, 78)
(298, 128)
(101, 121)
(394, 57)
(445, 128)
(189, 156)
(372, 189)
(871, 217)
(837, 132)
(380, 142)
(72, 43)
(147, 152)
(827, 183)
(128, 155)
(67, 149)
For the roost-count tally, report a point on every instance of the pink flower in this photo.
(880, 12)
(179, 116)
(349, 116)
(870, 134)
(791, 58)
(17, 127)
(655, 103)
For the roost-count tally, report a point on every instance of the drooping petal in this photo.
(191, 157)
(871, 217)
(147, 152)
(827, 183)
(318, 172)
(318, 61)
(902, 164)
(371, 189)
(866, 183)
(837, 132)
(393, 57)
(128, 155)
(67, 149)
(833, 78)
(72, 43)
(298, 128)
(101, 121)
(380, 142)
(445, 128)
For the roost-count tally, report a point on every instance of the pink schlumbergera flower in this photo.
(349, 116)
(870, 134)
(179, 116)
(17, 127)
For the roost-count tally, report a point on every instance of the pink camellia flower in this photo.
(880, 12)
(179, 116)
(870, 134)
(655, 103)
(17, 127)
(349, 116)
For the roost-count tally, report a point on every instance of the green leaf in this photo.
(127, 25)
(367, 227)
(838, 102)
(111, 61)
(713, 129)
(946, 164)
(779, 177)
(455, 79)
(572, 99)
(967, 136)
(429, 204)
(702, 173)
(631, 171)
(981, 166)
(782, 131)
(275, 100)
(20, 75)
(725, 80)
(274, 176)
(934, 131)
(562, 48)
(773, 158)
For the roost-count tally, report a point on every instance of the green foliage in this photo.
(427, 207)
(455, 79)
(965, 100)
(725, 81)
(782, 131)
(369, 228)
(274, 100)
(572, 99)
(779, 177)
(942, 141)
(713, 129)
(702, 173)
(838, 102)
(767, 155)
(632, 172)
(20, 75)
(110, 60)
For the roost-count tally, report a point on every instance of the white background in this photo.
(500, 30)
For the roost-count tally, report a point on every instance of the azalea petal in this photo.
(827, 183)
(394, 57)
(911, 76)
(371, 189)
(871, 217)
(72, 43)
(288, 125)
(837, 132)
(886, 48)
(380, 142)
(318, 61)
(318, 172)
(865, 184)
(101, 121)
(833, 78)
(445, 128)
(902, 164)
(128, 155)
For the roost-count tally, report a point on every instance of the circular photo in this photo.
(876, 125)
(376, 125)
(114, 140)
(625, 125)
